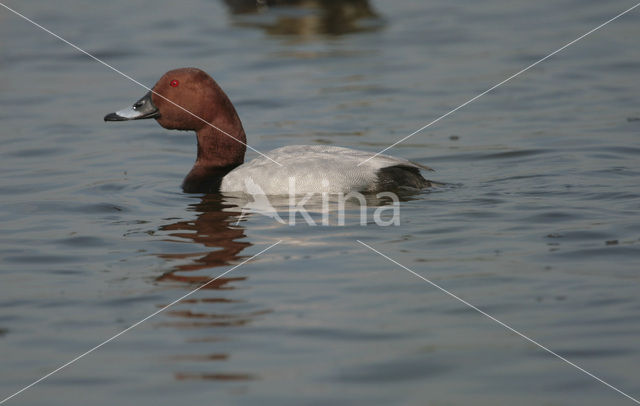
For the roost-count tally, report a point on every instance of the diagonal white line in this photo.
(513, 330)
(501, 83)
(133, 80)
(137, 324)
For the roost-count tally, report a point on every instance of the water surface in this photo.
(538, 224)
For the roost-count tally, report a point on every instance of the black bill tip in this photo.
(114, 117)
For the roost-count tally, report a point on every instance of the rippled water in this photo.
(538, 223)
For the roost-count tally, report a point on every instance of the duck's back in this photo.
(320, 168)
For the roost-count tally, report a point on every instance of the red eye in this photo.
(174, 83)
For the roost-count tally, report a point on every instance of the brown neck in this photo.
(217, 150)
(218, 153)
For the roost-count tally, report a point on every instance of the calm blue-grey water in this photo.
(538, 225)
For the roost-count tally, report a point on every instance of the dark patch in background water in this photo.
(539, 227)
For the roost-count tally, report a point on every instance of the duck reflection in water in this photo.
(205, 316)
(216, 227)
(304, 18)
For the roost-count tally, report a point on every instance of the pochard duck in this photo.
(189, 99)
